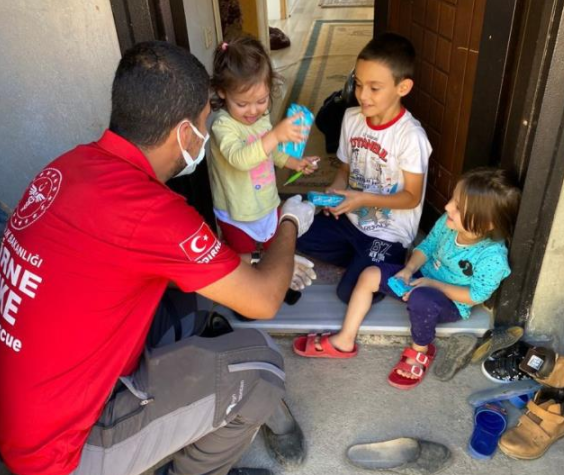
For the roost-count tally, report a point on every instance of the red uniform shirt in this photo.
(84, 261)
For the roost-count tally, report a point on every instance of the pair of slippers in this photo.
(458, 353)
(454, 357)
(318, 345)
(451, 359)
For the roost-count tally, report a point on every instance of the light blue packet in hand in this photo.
(294, 149)
(399, 287)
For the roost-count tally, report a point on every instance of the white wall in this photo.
(58, 59)
(202, 33)
(547, 312)
(274, 9)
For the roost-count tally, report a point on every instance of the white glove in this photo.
(303, 273)
(301, 212)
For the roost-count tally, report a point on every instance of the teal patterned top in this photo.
(480, 266)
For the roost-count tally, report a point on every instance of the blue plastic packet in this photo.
(324, 199)
(293, 149)
(399, 287)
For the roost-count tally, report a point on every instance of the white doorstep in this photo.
(319, 309)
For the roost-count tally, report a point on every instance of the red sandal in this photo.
(306, 346)
(418, 369)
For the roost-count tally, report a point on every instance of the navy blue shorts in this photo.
(339, 242)
(427, 307)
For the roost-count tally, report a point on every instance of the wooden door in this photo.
(446, 35)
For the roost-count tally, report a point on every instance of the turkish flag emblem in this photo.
(199, 244)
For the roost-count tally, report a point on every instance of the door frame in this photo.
(146, 20)
(532, 144)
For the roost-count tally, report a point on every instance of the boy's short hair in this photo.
(395, 51)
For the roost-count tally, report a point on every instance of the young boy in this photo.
(385, 153)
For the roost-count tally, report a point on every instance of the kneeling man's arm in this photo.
(257, 292)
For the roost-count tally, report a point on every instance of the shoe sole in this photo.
(515, 457)
(404, 456)
(455, 356)
(505, 393)
(497, 341)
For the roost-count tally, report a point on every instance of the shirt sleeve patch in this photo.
(202, 246)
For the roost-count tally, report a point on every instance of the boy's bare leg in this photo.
(359, 305)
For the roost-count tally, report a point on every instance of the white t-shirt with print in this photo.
(376, 156)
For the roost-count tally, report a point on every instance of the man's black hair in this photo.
(156, 85)
(395, 51)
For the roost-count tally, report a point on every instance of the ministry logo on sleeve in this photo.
(37, 198)
(202, 246)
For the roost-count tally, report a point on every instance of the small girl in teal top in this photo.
(458, 265)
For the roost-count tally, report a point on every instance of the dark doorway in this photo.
(164, 20)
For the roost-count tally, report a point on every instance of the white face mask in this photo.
(191, 163)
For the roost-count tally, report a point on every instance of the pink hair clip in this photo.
(223, 46)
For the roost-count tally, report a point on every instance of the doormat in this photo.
(329, 57)
(346, 3)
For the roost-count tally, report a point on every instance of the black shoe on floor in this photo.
(288, 448)
(249, 471)
(278, 39)
(503, 365)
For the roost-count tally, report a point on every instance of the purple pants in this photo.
(427, 307)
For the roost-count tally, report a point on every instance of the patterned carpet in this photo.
(346, 3)
(329, 57)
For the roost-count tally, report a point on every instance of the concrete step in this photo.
(319, 309)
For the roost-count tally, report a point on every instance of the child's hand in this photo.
(405, 274)
(353, 201)
(287, 131)
(421, 282)
(332, 188)
(309, 164)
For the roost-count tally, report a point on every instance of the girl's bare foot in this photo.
(411, 361)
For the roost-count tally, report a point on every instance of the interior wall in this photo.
(274, 9)
(58, 60)
(202, 33)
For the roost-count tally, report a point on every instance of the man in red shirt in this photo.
(84, 262)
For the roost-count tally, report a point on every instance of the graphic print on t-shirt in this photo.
(263, 174)
(379, 181)
(20, 280)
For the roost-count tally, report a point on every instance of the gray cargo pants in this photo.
(197, 401)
